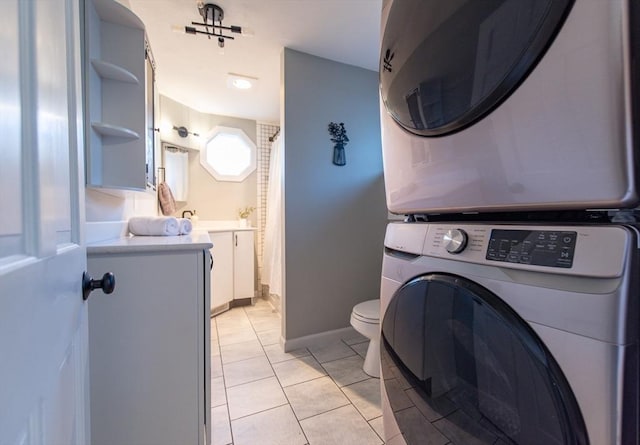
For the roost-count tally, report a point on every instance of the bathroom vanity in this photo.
(233, 272)
(149, 350)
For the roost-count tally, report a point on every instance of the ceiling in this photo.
(192, 71)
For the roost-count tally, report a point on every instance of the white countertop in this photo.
(221, 226)
(113, 237)
(196, 240)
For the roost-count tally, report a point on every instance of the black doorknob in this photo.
(107, 284)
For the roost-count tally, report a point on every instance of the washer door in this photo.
(446, 64)
(461, 367)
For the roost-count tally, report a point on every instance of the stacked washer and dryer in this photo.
(510, 295)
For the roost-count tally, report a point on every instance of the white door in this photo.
(43, 320)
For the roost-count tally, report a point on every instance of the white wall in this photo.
(335, 216)
(107, 215)
(212, 199)
(102, 207)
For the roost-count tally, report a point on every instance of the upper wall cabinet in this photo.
(120, 93)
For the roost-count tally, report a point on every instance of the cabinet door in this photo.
(222, 272)
(243, 278)
(145, 378)
(116, 127)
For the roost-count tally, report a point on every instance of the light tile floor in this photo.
(262, 395)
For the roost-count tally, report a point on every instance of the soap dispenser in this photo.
(194, 218)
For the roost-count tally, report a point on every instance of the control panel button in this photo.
(455, 240)
(535, 247)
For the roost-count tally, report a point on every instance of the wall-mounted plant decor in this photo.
(339, 138)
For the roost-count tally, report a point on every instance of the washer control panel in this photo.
(536, 247)
(447, 240)
(586, 250)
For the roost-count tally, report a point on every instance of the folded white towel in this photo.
(152, 225)
(185, 226)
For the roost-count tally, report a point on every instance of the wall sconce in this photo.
(339, 138)
(183, 132)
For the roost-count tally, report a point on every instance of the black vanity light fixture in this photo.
(211, 25)
(183, 132)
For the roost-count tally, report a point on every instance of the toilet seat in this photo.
(367, 311)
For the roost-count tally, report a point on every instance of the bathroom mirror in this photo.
(176, 173)
(150, 116)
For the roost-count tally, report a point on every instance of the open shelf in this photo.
(111, 71)
(114, 130)
(119, 81)
(114, 12)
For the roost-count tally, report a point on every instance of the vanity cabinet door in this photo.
(243, 259)
(148, 355)
(222, 271)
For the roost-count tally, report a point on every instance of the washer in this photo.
(510, 105)
(510, 334)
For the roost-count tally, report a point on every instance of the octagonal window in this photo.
(228, 154)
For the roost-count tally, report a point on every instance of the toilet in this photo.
(365, 318)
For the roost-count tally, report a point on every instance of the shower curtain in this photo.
(272, 255)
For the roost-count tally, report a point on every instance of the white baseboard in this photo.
(318, 339)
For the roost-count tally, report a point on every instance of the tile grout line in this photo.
(369, 377)
(379, 381)
(338, 384)
(341, 388)
(224, 378)
(280, 384)
(224, 384)
(358, 411)
(350, 402)
(262, 348)
(261, 411)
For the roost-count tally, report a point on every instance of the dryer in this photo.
(510, 334)
(509, 105)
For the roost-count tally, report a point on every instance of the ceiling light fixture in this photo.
(212, 16)
(241, 82)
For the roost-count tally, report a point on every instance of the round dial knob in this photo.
(455, 240)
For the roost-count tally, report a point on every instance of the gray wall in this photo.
(335, 216)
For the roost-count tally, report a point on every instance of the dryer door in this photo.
(473, 370)
(446, 64)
